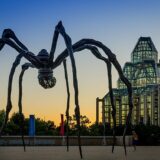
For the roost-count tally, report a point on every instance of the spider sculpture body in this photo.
(45, 64)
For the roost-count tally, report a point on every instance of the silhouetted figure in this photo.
(134, 139)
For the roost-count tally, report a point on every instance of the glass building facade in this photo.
(144, 74)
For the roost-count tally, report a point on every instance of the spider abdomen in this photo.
(45, 77)
(45, 74)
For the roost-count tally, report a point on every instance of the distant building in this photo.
(144, 74)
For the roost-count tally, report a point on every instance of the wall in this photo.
(58, 140)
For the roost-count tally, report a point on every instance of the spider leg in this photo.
(112, 104)
(26, 54)
(8, 33)
(24, 68)
(68, 43)
(22, 53)
(68, 101)
(113, 60)
(54, 42)
(97, 54)
(9, 102)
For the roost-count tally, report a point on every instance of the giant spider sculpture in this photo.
(45, 64)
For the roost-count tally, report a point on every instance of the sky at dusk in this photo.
(116, 23)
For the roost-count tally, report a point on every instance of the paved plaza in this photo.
(89, 153)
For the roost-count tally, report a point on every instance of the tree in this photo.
(15, 123)
(148, 134)
(50, 128)
(13, 126)
(45, 127)
(2, 115)
(98, 129)
(72, 123)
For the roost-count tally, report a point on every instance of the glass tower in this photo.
(144, 74)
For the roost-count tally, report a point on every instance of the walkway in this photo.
(89, 152)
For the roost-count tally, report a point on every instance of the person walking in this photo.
(134, 139)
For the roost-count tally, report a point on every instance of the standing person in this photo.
(134, 139)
